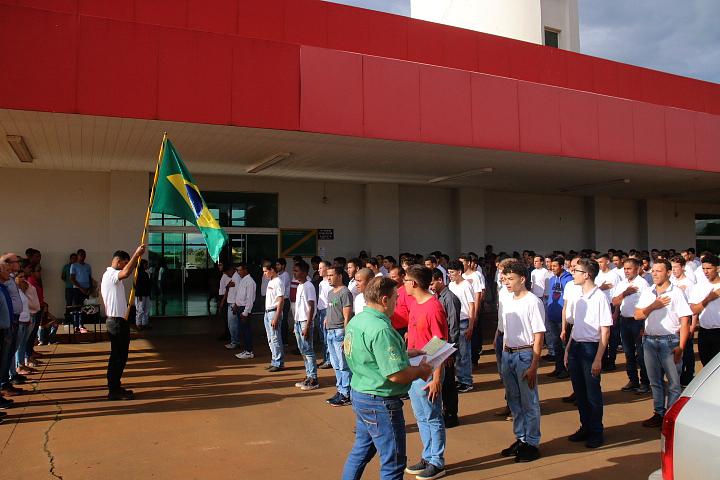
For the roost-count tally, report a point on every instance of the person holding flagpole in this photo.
(118, 328)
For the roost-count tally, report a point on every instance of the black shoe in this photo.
(275, 369)
(549, 358)
(431, 472)
(562, 375)
(569, 399)
(334, 397)
(18, 380)
(451, 421)
(655, 421)
(464, 387)
(417, 468)
(6, 402)
(340, 401)
(596, 441)
(610, 367)
(527, 453)
(125, 391)
(579, 436)
(643, 389)
(630, 387)
(120, 395)
(512, 450)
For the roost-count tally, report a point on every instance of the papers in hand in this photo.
(436, 352)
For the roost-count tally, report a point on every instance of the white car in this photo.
(690, 439)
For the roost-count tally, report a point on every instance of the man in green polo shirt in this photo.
(382, 373)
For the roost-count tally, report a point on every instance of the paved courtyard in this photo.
(202, 414)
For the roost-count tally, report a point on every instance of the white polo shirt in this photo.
(589, 312)
(522, 318)
(538, 281)
(503, 296)
(304, 294)
(666, 320)
(274, 291)
(464, 292)
(476, 279)
(627, 307)
(359, 303)
(570, 293)
(710, 316)
(323, 290)
(113, 293)
(686, 284)
(232, 290)
(611, 277)
(700, 277)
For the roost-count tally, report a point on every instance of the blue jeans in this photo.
(23, 334)
(658, 360)
(320, 324)
(524, 401)
(343, 375)
(632, 346)
(273, 336)
(233, 320)
(305, 345)
(555, 345)
(463, 360)
(586, 386)
(430, 422)
(379, 428)
(47, 334)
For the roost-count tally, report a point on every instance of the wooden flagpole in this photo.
(131, 300)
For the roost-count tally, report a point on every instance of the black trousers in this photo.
(708, 344)
(119, 332)
(449, 392)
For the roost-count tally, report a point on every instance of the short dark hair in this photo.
(678, 259)
(665, 262)
(515, 267)
(432, 259)
(559, 259)
(633, 260)
(437, 274)
(591, 267)
(455, 265)
(303, 266)
(401, 271)
(242, 264)
(421, 274)
(711, 259)
(120, 254)
(269, 265)
(281, 261)
(73, 255)
(340, 261)
(355, 261)
(379, 287)
(81, 250)
(372, 261)
(604, 255)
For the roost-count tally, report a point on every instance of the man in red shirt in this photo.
(427, 319)
(400, 316)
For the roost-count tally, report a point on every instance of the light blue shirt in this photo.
(14, 295)
(82, 272)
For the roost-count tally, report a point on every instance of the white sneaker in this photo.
(303, 383)
(231, 346)
(245, 355)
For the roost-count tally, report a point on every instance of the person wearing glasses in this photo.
(591, 318)
(8, 376)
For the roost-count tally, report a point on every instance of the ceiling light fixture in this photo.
(575, 188)
(17, 143)
(269, 162)
(469, 173)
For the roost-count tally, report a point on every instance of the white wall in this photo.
(563, 15)
(427, 220)
(59, 211)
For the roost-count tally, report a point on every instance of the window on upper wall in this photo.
(552, 37)
(707, 232)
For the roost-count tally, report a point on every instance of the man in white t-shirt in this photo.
(590, 315)
(228, 284)
(539, 277)
(667, 325)
(607, 279)
(322, 293)
(353, 266)
(273, 318)
(285, 278)
(113, 295)
(705, 304)
(244, 298)
(362, 277)
(462, 289)
(304, 314)
(523, 319)
(686, 279)
(477, 282)
(625, 296)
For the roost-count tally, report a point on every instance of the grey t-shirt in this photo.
(336, 302)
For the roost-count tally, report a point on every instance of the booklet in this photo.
(436, 352)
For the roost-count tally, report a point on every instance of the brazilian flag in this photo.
(176, 194)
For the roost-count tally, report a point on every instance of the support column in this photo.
(654, 224)
(470, 220)
(382, 219)
(128, 199)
